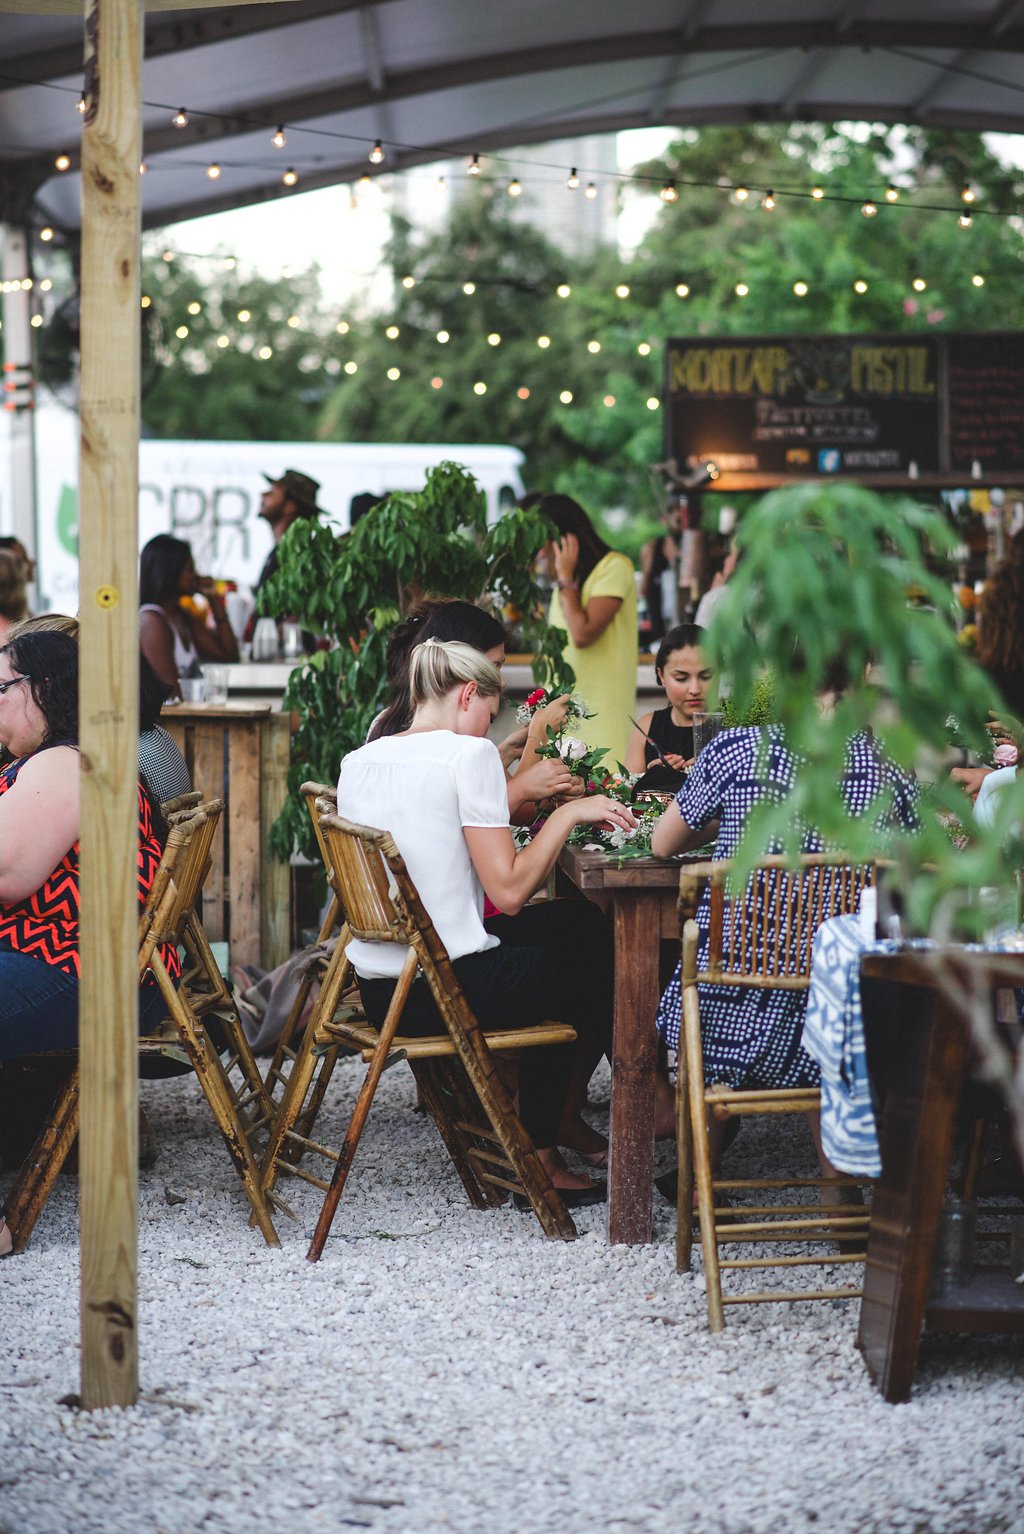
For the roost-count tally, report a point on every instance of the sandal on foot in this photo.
(6, 1238)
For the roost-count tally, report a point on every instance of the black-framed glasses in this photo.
(13, 683)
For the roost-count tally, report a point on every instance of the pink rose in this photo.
(1005, 755)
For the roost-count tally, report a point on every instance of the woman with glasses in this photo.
(39, 829)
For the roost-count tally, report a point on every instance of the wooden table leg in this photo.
(923, 1078)
(634, 1057)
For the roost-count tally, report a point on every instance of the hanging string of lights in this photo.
(670, 190)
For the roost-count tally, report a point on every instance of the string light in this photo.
(244, 316)
(564, 290)
(230, 263)
(473, 168)
(609, 400)
(967, 193)
(437, 382)
(817, 192)
(869, 209)
(653, 404)
(351, 367)
(45, 285)
(741, 290)
(443, 337)
(343, 327)
(965, 221)
(441, 184)
(590, 191)
(223, 342)
(290, 176)
(181, 332)
(892, 193)
(376, 155)
(62, 162)
(294, 322)
(543, 342)
(768, 201)
(669, 192)
(622, 291)
(494, 339)
(522, 393)
(860, 286)
(479, 387)
(593, 347)
(265, 353)
(741, 193)
(566, 396)
(392, 332)
(644, 348)
(46, 233)
(919, 284)
(800, 289)
(279, 139)
(469, 288)
(180, 118)
(213, 171)
(409, 281)
(573, 181)
(515, 188)
(36, 321)
(978, 280)
(195, 307)
(143, 167)
(682, 290)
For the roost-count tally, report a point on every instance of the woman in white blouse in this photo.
(440, 790)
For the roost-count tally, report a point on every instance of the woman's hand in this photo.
(551, 717)
(970, 779)
(599, 809)
(677, 763)
(545, 779)
(511, 748)
(566, 556)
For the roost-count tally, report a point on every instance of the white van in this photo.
(209, 493)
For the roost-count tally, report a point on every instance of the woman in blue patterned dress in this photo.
(751, 1036)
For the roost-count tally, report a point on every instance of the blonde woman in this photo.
(438, 787)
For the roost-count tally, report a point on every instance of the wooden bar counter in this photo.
(239, 752)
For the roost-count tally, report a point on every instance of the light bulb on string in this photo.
(978, 280)
(46, 233)
(437, 382)
(409, 281)
(62, 162)
(967, 194)
(473, 168)
(394, 374)
(469, 288)
(566, 396)
(768, 201)
(515, 188)
(523, 393)
(573, 181)
(817, 192)
(213, 171)
(644, 348)
(741, 193)
(143, 167)
(279, 139)
(892, 193)
(80, 106)
(682, 290)
(392, 332)
(869, 209)
(741, 290)
(443, 337)
(593, 347)
(800, 289)
(860, 286)
(376, 155)
(180, 118)
(919, 284)
(543, 342)
(965, 220)
(290, 176)
(669, 192)
(653, 403)
(563, 290)
(480, 387)
(441, 184)
(622, 290)
(494, 339)
(590, 191)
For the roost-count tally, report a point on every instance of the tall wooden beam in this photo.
(108, 585)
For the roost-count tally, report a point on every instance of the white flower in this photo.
(570, 749)
(620, 836)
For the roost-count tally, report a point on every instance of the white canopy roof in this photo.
(433, 78)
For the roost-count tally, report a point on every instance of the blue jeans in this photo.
(39, 1006)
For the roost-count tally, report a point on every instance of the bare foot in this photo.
(577, 1135)
(6, 1238)
(561, 1177)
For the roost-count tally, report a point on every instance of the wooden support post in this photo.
(108, 537)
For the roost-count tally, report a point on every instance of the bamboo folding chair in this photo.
(759, 937)
(454, 1071)
(169, 917)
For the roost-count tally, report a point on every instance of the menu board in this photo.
(847, 405)
(986, 401)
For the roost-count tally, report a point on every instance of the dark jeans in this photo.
(554, 962)
(39, 1006)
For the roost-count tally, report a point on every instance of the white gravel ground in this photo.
(446, 1369)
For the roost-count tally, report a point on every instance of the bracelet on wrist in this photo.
(566, 585)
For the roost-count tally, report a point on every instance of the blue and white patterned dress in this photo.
(751, 1037)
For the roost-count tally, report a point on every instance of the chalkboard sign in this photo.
(986, 401)
(847, 405)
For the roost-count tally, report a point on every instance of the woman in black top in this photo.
(661, 746)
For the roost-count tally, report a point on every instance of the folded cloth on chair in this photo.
(834, 1037)
(265, 1003)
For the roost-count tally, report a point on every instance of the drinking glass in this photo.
(292, 646)
(216, 678)
(264, 640)
(193, 689)
(706, 726)
(954, 1249)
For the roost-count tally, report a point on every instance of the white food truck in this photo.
(209, 493)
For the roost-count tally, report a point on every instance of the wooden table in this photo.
(641, 897)
(919, 1055)
(240, 752)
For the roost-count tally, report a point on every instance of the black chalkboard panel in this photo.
(986, 401)
(814, 405)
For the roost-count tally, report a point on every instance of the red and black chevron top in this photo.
(45, 925)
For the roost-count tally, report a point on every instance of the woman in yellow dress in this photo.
(594, 600)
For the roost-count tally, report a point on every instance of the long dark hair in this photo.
(433, 618)
(50, 661)
(160, 565)
(569, 517)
